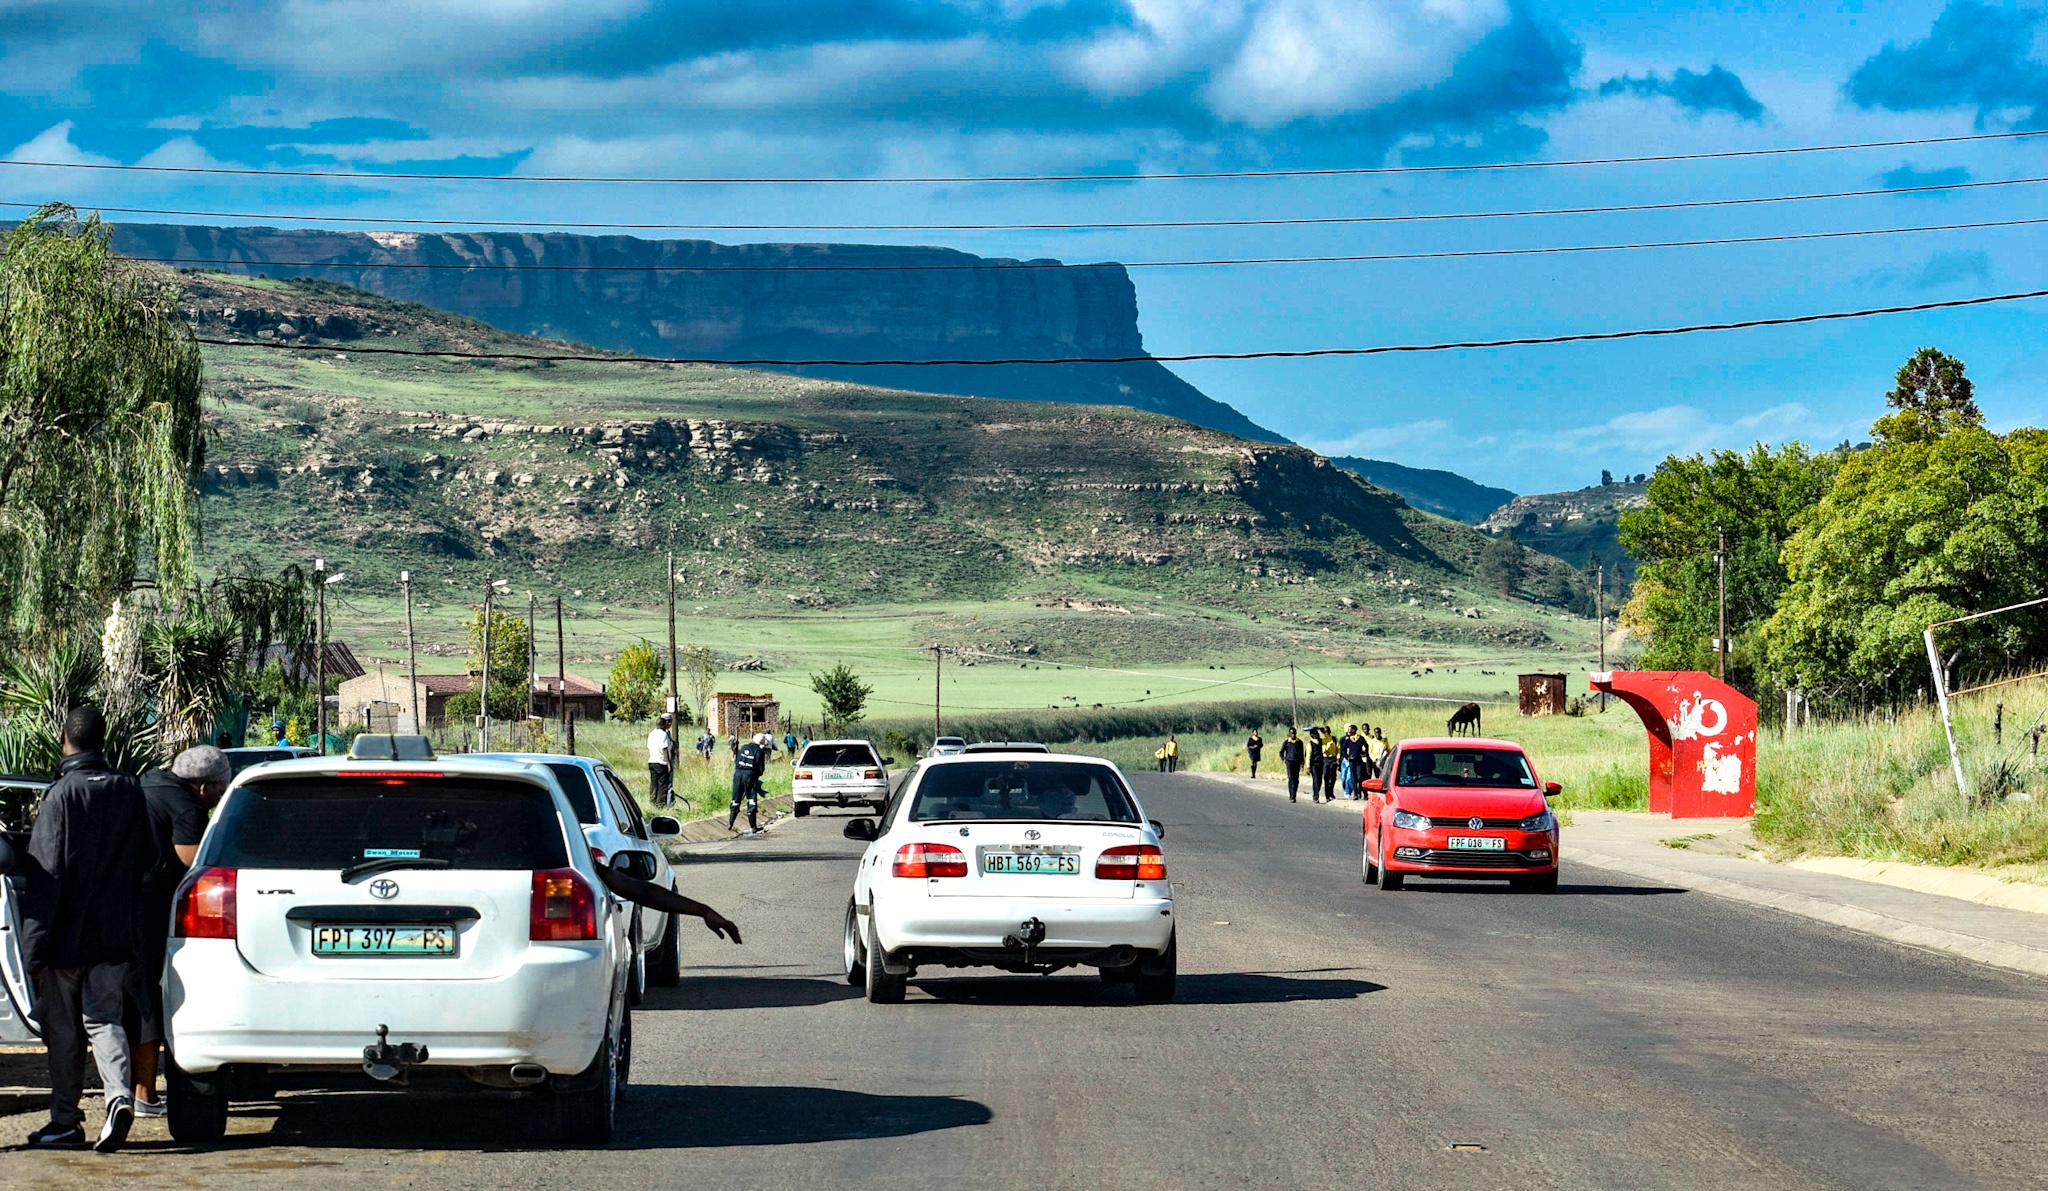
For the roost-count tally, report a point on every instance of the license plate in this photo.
(1048, 864)
(371, 939)
(839, 775)
(1479, 843)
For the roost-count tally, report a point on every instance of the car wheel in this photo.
(636, 979)
(1390, 881)
(625, 1056)
(586, 1104)
(1372, 871)
(196, 1107)
(665, 970)
(883, 988)
(800, 809)
(1123, 975)
(1155, 981)
(852, 951)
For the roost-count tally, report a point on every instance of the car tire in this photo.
(587, 1104)
(1372, 871)
(800, 809)
(196, 1106)
(1159, 985)
(665, 970)
(853, 950)
(1390, 881)
(1123, 975)
(636, 976)
(882, 988)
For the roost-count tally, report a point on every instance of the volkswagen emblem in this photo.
(1475, 823)
(384, 888)
(1031, 834)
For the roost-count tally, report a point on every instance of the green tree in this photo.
(844, 695)
(699, 671)
(1502, 565)
(1930, 397)
(100, 435)
(638, 679)
(1758, 499)
(510, 662)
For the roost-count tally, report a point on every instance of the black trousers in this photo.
(660, 791)
(1293, 781)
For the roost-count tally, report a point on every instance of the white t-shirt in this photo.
(657, 747)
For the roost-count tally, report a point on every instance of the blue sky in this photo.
(983, 86)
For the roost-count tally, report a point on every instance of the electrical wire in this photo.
(1187, 357)
(1224, 262)
(926, 180)
(1125, 225)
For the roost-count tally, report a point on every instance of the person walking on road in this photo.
(178, 799)
(1376, 752)
(1332, 759)
(1314, 748)
(789, 746)
(1159, 755)
(1172, 754)
(1291, 754)
(749, 761)
(92, 848)
(660, 751)
(1252, 748)
(1352, 750)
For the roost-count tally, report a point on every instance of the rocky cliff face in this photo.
(752, 301)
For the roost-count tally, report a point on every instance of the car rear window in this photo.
(576, 784)
(839, 754)
(1490, 768)
(319, 822)
(240, 759)
(1022, 790)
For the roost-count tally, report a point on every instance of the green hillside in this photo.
(815, 519)
(1445, 493)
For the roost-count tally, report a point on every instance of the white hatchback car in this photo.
(354, 923)
(839, 773)
(1027, 862)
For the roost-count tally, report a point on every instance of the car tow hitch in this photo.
(387, 1063)
(1030, 933)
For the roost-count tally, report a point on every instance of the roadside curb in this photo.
(1921, 878)
(2012, 956)
(17, 1100)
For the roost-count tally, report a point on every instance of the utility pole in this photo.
(1600, 619)
(674, 702)
(412, 660)
(320, 656)
(532, 657)
(483, 692)
(1721, 572)
(562, 674)
(938, 662)
(1293, 701)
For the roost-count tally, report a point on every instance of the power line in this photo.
(1123, 225)
(1205, 175)
(1299, 354)
(1192, 263)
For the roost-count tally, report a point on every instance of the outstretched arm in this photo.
(647, 893)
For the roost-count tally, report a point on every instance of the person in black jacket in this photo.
(1291, 754)
(749, 762)
(91, 848)
(1255, 748)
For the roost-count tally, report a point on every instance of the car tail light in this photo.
(803, 775)
(206, 905)
(1133, 862)
(930, 860)
(564, 907)
(871, 774)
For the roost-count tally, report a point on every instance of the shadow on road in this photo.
(776, 1116)
(1564, 889)
(749, 992)
(738, 857)
(1208, 988)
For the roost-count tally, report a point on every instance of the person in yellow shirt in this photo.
(1376, 752)
(1172, 755)
(1331, 762)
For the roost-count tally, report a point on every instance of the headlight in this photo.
(1539, 822)
(1410, 821)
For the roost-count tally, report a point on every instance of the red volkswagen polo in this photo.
(1461, 809)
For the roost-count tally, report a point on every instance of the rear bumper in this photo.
(979, 924)
(552, 1011)
(843, 796)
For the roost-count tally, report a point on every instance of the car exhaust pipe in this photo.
(386, 1063)
(528, 1074)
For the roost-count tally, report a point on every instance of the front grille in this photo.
(1460, 858)
(1454, 823)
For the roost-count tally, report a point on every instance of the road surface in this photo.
(1616, 1035)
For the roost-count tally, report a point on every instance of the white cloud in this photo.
(1683, 430)
(1376, 442)
(1322, 57)
(54, 145)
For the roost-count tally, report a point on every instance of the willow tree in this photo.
(100, 436)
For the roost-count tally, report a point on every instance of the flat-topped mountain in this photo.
(699, 299)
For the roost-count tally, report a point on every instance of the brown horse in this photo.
(1465, 722)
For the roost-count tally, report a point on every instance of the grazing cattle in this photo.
(1465, 722)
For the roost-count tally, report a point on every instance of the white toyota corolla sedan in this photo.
(1026, 862)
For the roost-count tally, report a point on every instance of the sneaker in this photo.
(54, 1137)
(120, 1115)
(149, 1108)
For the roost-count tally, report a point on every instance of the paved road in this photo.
(1616, 1035)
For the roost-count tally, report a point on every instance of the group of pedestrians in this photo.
(749, 764)
(1330, 759)
(1168, 755)
(105, 858)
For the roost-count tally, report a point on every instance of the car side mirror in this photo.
(861, 829)
(1376, 785)
(1552, 789)
(639, 865)
(664, 827)
(888, 760)
(1158, 828)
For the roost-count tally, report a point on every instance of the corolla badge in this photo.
(1475, 822)
(1031, 834)
(384, 888)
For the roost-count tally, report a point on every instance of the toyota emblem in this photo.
(384, 888)
(1475, 823)
(1031, 834)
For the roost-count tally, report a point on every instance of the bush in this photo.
(636, 682)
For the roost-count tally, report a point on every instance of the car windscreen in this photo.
(1489, 768)
(240, 759)
(1020, 789)
(576, 784)
(321, 822)
(826, 755)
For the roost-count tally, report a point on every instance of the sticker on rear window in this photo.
(391, 853)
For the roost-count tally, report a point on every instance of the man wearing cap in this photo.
(660, 748)
(749, 761)
(179, 800)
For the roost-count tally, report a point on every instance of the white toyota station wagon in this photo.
(1025, 862)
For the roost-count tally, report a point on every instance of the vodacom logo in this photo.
(1699, 716)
